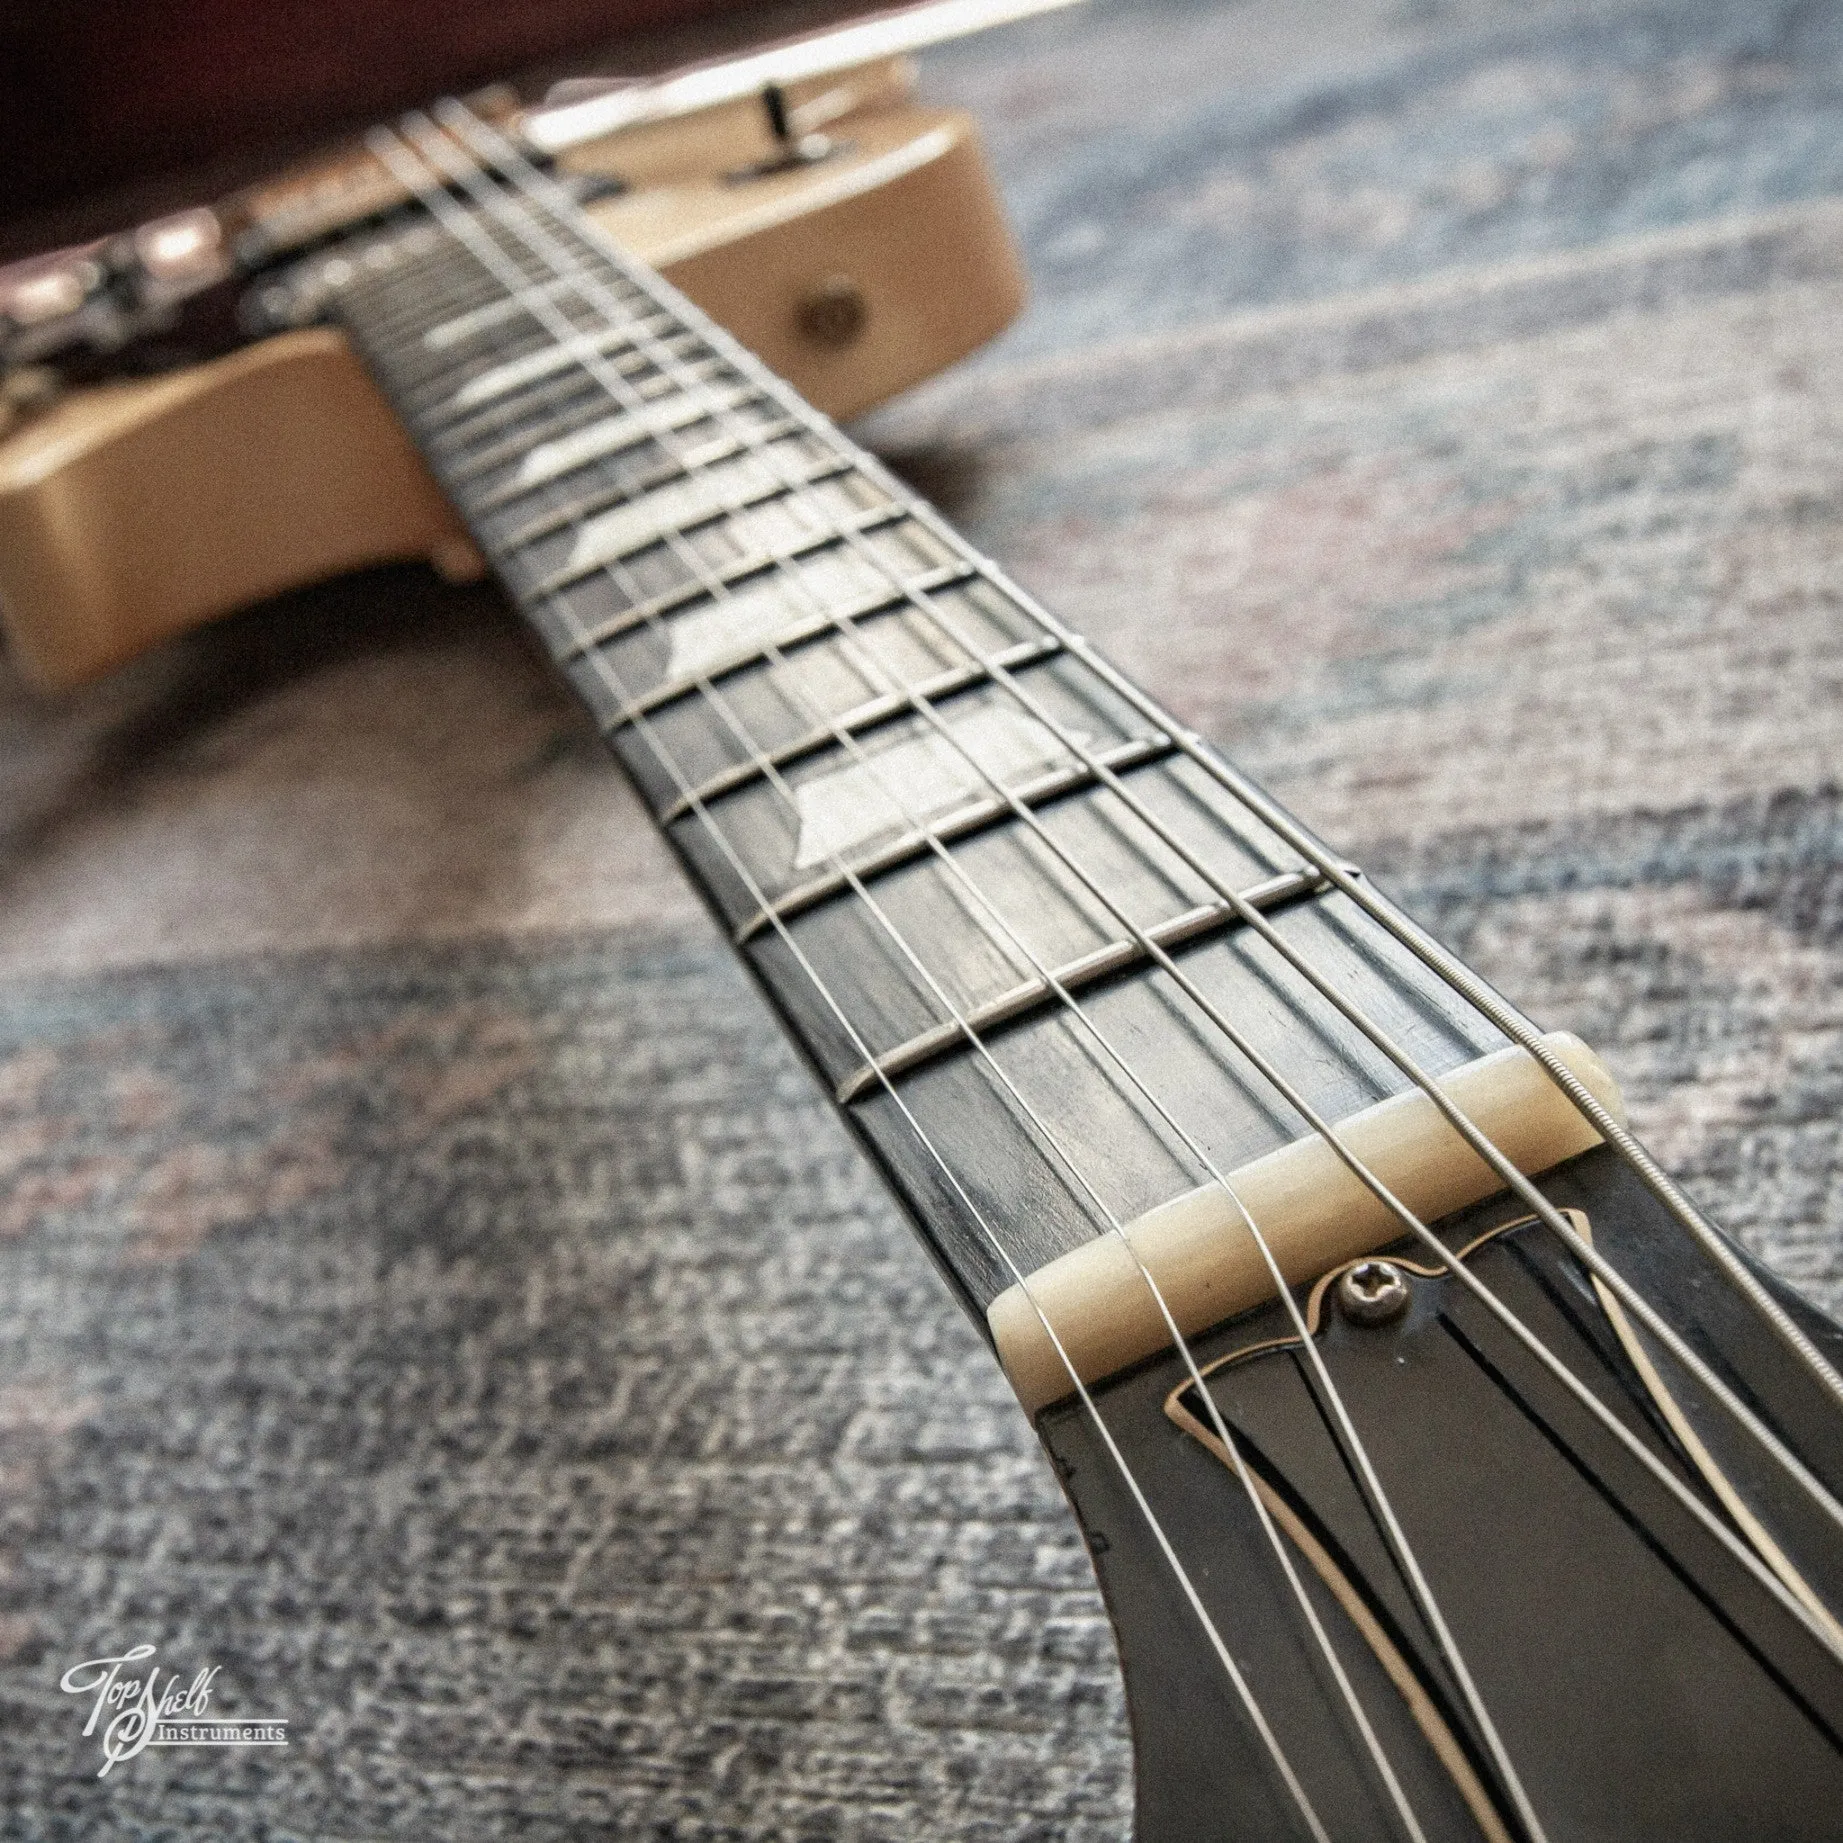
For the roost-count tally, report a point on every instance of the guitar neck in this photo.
(943, 835)
(1141, 1057)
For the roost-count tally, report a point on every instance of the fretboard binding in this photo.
(976, 816)
(1036, 995)
(668, 601)
(856, 722)
(809, 627)
(560, 518)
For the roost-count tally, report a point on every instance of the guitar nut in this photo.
(833, 314)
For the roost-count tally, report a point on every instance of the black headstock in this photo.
(1642, 1679)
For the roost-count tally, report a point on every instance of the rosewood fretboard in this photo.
(953, 847)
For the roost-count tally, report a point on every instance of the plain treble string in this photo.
(435, 199)
(589, 283)
(493, 146)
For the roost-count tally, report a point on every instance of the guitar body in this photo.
(131, 511)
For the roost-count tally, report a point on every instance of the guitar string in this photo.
(1589, 1256)
(1386, 1517)
(1436, 1244)
(436, 200)
(488, 141)
(1337, 1411)
(877, 677)
(644, 297)
(1280, 1549)
(430, 143)
(1065, 995)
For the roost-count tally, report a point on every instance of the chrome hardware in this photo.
(791, 149)
(1373, 1293)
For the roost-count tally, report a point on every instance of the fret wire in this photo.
(604, 662)
(443, 418)
(953, 826)
(667, 473)
(430, 281)
(513, 370)
(509, 426)
(573, 410)
(406, 320)
(504, 308)
(1356, 1452)
(1481, 1142)
(443, 384)
(434, 198)
(532, 359)
(672, 412)
(402, 319)
(1195, 925)
(870, 715)
(543, 393)
(811, 627)
(505, 431)
(756, 563)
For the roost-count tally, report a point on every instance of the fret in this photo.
(832, 704)
(500, 380)
(729, 640)
(559, 391)
(830, 831)
(538, 429)
(729, 493)
(793, 693)
(456, 395)
(434, 287)
(430, 386)
(793, 547)
(860, 720)
(1076, 975)
(516, 425)
(608, 435)
(1129, 1155)
(497, 310)
(679, 491)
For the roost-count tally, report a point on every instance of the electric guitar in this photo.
(1446, 1473)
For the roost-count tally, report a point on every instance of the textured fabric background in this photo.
(429, 1289)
